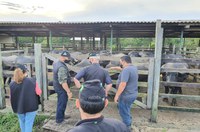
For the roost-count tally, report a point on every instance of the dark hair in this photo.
(126, 58)
(93, 105)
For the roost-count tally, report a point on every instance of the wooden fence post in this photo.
(38, 69)
(2, 92)
(150, 83)
(158, 54)
(44, 76)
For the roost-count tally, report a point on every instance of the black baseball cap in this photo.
(92, 91)
(66, 54)
(22, 67)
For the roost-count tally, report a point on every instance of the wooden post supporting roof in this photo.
(2, 93)
(38, 67)
(93, 44)
(82, 41)
(111, 38)
(158, 54)
(50, 40)
(181, 41)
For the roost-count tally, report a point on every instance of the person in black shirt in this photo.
(92, 100)
(24, 93)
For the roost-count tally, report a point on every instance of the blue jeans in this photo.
(26, 121)
(124, 107)
(61, 105)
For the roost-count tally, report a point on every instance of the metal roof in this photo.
(191, 28)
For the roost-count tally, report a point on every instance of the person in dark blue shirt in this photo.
(91, 102)
(94, 71)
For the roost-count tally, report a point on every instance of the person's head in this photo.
(65, 56)
(20, 73)
(92, 98)
(94, 57)
(125, 60)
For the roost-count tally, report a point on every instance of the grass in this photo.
(9, 123)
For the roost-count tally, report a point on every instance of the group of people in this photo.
(92, 95)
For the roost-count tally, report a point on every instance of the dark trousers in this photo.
(61, 105)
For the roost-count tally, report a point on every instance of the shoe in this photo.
(59, 121)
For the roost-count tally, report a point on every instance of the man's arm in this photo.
(78, 76)
(123, 83)
(66, 88)
(62, 78)
(77, 83)
(108, 82)
(121, 88)
(108, 87)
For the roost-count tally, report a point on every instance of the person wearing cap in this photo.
(24, 99)
(94, 71)
(127, 89)
(61, 82)
(91, 102)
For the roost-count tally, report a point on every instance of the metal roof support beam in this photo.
(156, 84)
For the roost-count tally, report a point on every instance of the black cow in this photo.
(174, 77)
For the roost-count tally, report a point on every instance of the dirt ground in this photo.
(168, 121)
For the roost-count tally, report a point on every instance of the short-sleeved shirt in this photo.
(94, 71)
(129, 75)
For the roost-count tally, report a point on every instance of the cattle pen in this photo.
(153, 85)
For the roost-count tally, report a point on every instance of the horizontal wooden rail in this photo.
(180, 84)
(180, 70)
(179, 96)
(185, 109)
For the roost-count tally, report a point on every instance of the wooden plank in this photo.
(112, 72)
(12, 51)
(181, 84)
(180, 96)
(186, 60)
(140, 84)
(158, 54)
(29, 69)
(44, 77)
(140, 104)
(180, 70)
(150, 83)
(50, 57)
(143, 84)
(185, 109)
(2, 92)
(38, 69)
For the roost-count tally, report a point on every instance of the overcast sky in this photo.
(98, 10)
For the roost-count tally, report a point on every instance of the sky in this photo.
(98, 10)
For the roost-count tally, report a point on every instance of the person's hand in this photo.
(116, 99)
(69, 95)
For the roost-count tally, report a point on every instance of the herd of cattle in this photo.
(10, 62)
